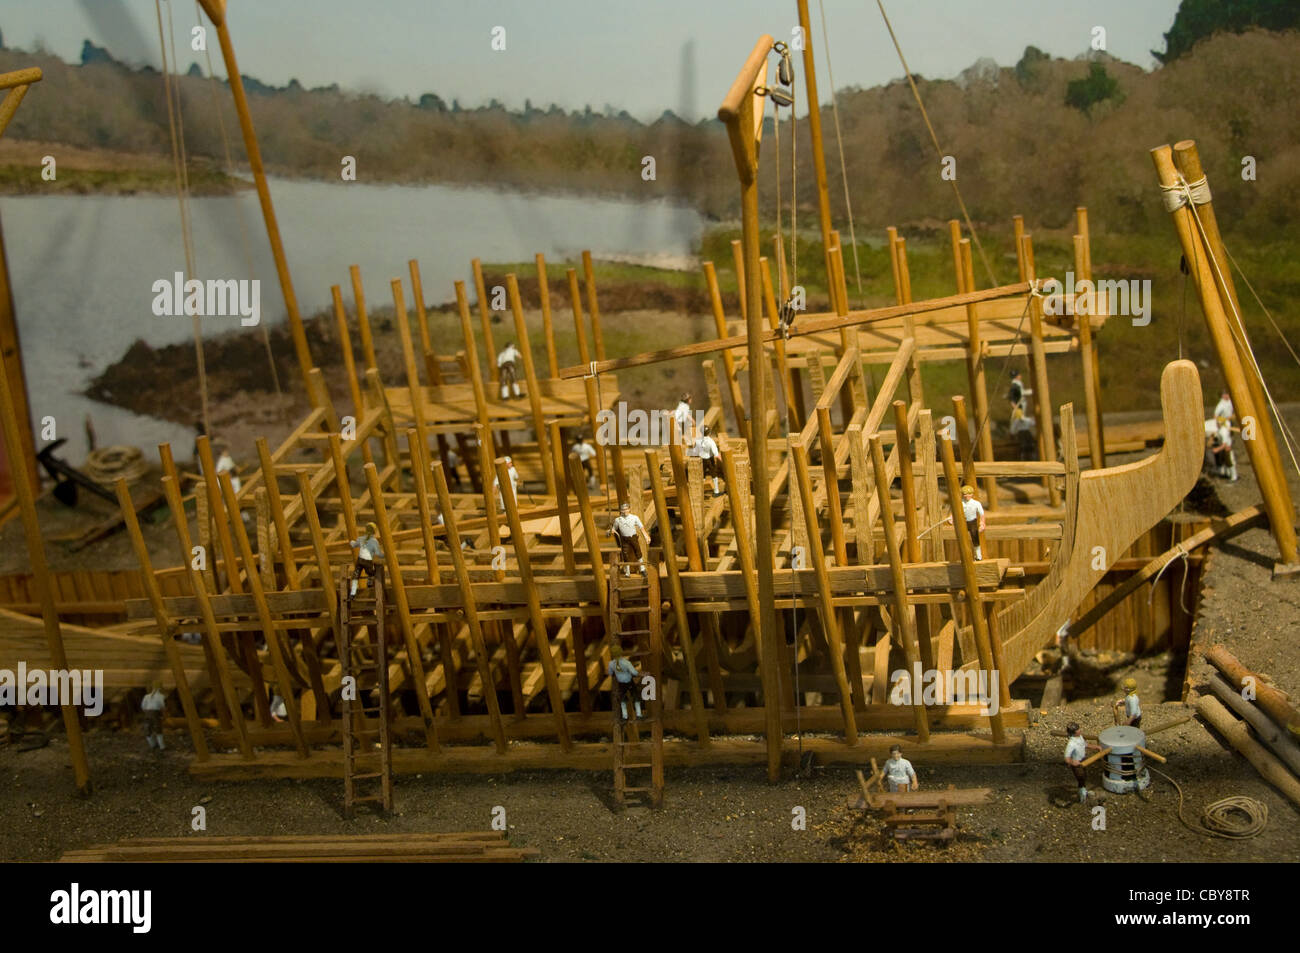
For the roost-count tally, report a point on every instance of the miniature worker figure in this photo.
(1016, 392)
(278, 711)
(226, 464)
(1128, 710)
(1024, 430)
(706, 448)
(630, 532)
(368, 553)
(152, 706)
(973, 513)
(1076, 750)
(898, 771)
(1224, 407)
(586, 455)
(453, 467)
(507, 371)
(1225, 461)
(626, 677)
(513, 474)
(684, 418)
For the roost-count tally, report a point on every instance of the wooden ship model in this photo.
(775, 618)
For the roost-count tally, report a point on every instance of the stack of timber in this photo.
(474, 847)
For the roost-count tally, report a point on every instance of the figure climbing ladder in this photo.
(634, 626)
(367, 751)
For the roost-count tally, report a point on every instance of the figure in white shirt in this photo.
(899, 774)
(972, 512)
(1224, 407)
(1225, 461)
(226, 464)
(706, 448)
(684, 418)
(152, 706)
(586, 455)
(633, 540)
(368, 556)
(625, 675)
(513, 474)
(1076, 752)
(508, 372)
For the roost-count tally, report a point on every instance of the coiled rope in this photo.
(1232, 818)
(107, 465)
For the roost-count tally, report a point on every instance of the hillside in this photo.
(1018, 146)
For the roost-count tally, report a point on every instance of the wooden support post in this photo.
(1281, 512)
(166, 630)
(588, 381)
(975, 370)
(1042, 395)
(963, 439)
(862, 522)
(413, 388)
(815, 126)
(485, 322)
(427, 349)
(343, 483)
(319, 548)
(393, 576)
(679, 610)
(266, 620)
(778, 346)
(541, 639)
(593, 307)
(345, 345)
(903, 438)
(225, 682)
(216, 11)
(826, 611)
(1018, 233)
(915, 383)
(469, 606)
(23, 453)
(1189, 164)
(420, 472)
(974, 604)
(830, 473)
(1081, 218)
(579, 487)
(548, 331)
(954, 235)
(562, 497)
(1083, 324)
(737, 113)
(685, 507)
(363, 318)
(530, 376)
(728, 359)
(903, 616)
(738, 259)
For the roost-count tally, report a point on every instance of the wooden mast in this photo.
(25, 487)
(744, 124)
(216, 11)
(1271, 486)
(815, 133)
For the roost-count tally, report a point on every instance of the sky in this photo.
(643, 56)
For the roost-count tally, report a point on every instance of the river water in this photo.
(83, 267)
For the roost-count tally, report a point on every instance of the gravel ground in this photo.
(734, 814)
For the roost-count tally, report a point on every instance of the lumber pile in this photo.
(468, 847)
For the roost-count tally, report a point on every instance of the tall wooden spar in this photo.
(25, 488)
(216, 11)
(742, 114)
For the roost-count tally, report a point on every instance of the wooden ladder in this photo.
(634, 624)
(367, 751)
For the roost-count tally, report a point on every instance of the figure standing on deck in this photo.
(684, 418)
(152, 706)
(513, 474)
(706, 448)
(1076, 751)
(508, 371)
(368, 554)
(633, 540)
(972, 512)
(586, 455)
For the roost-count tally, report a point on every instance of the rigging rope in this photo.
(935, 139)
(239, 211)
(182, 197)
(1219, 819)
(839, 142)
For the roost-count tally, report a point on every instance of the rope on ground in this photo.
(935, 139)
(1232, 818)
(107, 465)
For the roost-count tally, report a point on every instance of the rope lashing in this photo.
(1183, 193)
